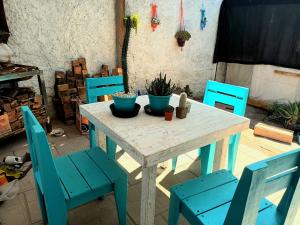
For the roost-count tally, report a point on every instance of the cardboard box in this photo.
(4, 124)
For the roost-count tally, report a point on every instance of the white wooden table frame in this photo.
(152, 140)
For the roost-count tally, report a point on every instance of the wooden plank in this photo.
(285, 73)
(221, 154)
(218, 215)
(203, 202)
(120, 29)
(148, 195)
(70, 177)
(89, 170)
(204, 183)
(96, 82)
(276, 133)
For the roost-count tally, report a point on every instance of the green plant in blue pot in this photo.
(125, 101)
(159, 92)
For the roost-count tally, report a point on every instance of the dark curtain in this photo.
(259, 32)
(4, 32)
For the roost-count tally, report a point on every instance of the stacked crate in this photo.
(11, 101)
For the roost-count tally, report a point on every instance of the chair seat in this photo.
(200, 207)
(85, 175)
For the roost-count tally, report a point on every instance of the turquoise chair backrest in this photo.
(228, 94)
(261, 179)
(96, 87)
(42, 159)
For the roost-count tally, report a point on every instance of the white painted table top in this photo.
(151, 140)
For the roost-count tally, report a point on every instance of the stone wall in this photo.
(49, 34)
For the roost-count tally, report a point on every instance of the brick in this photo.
(63, 87)
(77, 70)
(117, 71)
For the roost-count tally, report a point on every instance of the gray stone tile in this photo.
(72, 145)
(33, 205)
(15, 212)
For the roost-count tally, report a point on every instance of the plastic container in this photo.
(159, 103)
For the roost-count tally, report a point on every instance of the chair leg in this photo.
(121, 200)
(232, 151)
(207, 158)
(174, 163)
(111, 148)
(174, 210)
(57, 217)
(42, 204)
(92, 134)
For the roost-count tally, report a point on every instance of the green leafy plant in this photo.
(286, 113)
(160, 86)
(183, 35)
(178, 90)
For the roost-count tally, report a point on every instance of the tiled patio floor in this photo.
(24, 209)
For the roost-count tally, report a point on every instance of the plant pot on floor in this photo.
(124, 102)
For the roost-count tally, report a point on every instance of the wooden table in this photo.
(152, 140)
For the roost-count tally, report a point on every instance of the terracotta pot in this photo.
(168, 116)
(181, 112)
(180, 42)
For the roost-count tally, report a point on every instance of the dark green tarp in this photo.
(259, 32)
(4, 31)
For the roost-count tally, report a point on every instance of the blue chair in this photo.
(69, 181)
(219, 198)
(101, 86)
(230, 95)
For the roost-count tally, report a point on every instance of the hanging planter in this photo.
(155, 21)
(182, 35)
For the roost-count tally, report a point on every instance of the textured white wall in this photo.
(49, 34)
(152, 52)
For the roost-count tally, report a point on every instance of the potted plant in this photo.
(159, 93)
(182, 36)
(169, 113)
(125, 101)
(182, 109)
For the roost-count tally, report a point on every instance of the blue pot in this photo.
(124, 104)
(159, 103)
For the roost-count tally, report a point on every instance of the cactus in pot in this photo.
(182, 110)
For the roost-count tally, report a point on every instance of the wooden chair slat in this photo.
(71, 178)
(228, 94)
(97, 82)
(92, 174)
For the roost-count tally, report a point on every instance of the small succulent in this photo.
(155, 20)
(287, 113)
(160, 86)
(183, 35)
(182, 100)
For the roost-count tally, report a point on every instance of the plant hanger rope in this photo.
(181, 16)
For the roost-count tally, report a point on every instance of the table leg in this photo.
(221, 154)
(148, 195)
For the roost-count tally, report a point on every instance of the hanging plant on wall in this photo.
(155, 21)
(182, 35)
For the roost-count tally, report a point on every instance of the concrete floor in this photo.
(24, 209)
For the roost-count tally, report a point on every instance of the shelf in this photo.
(18, 76)
(11, 133)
